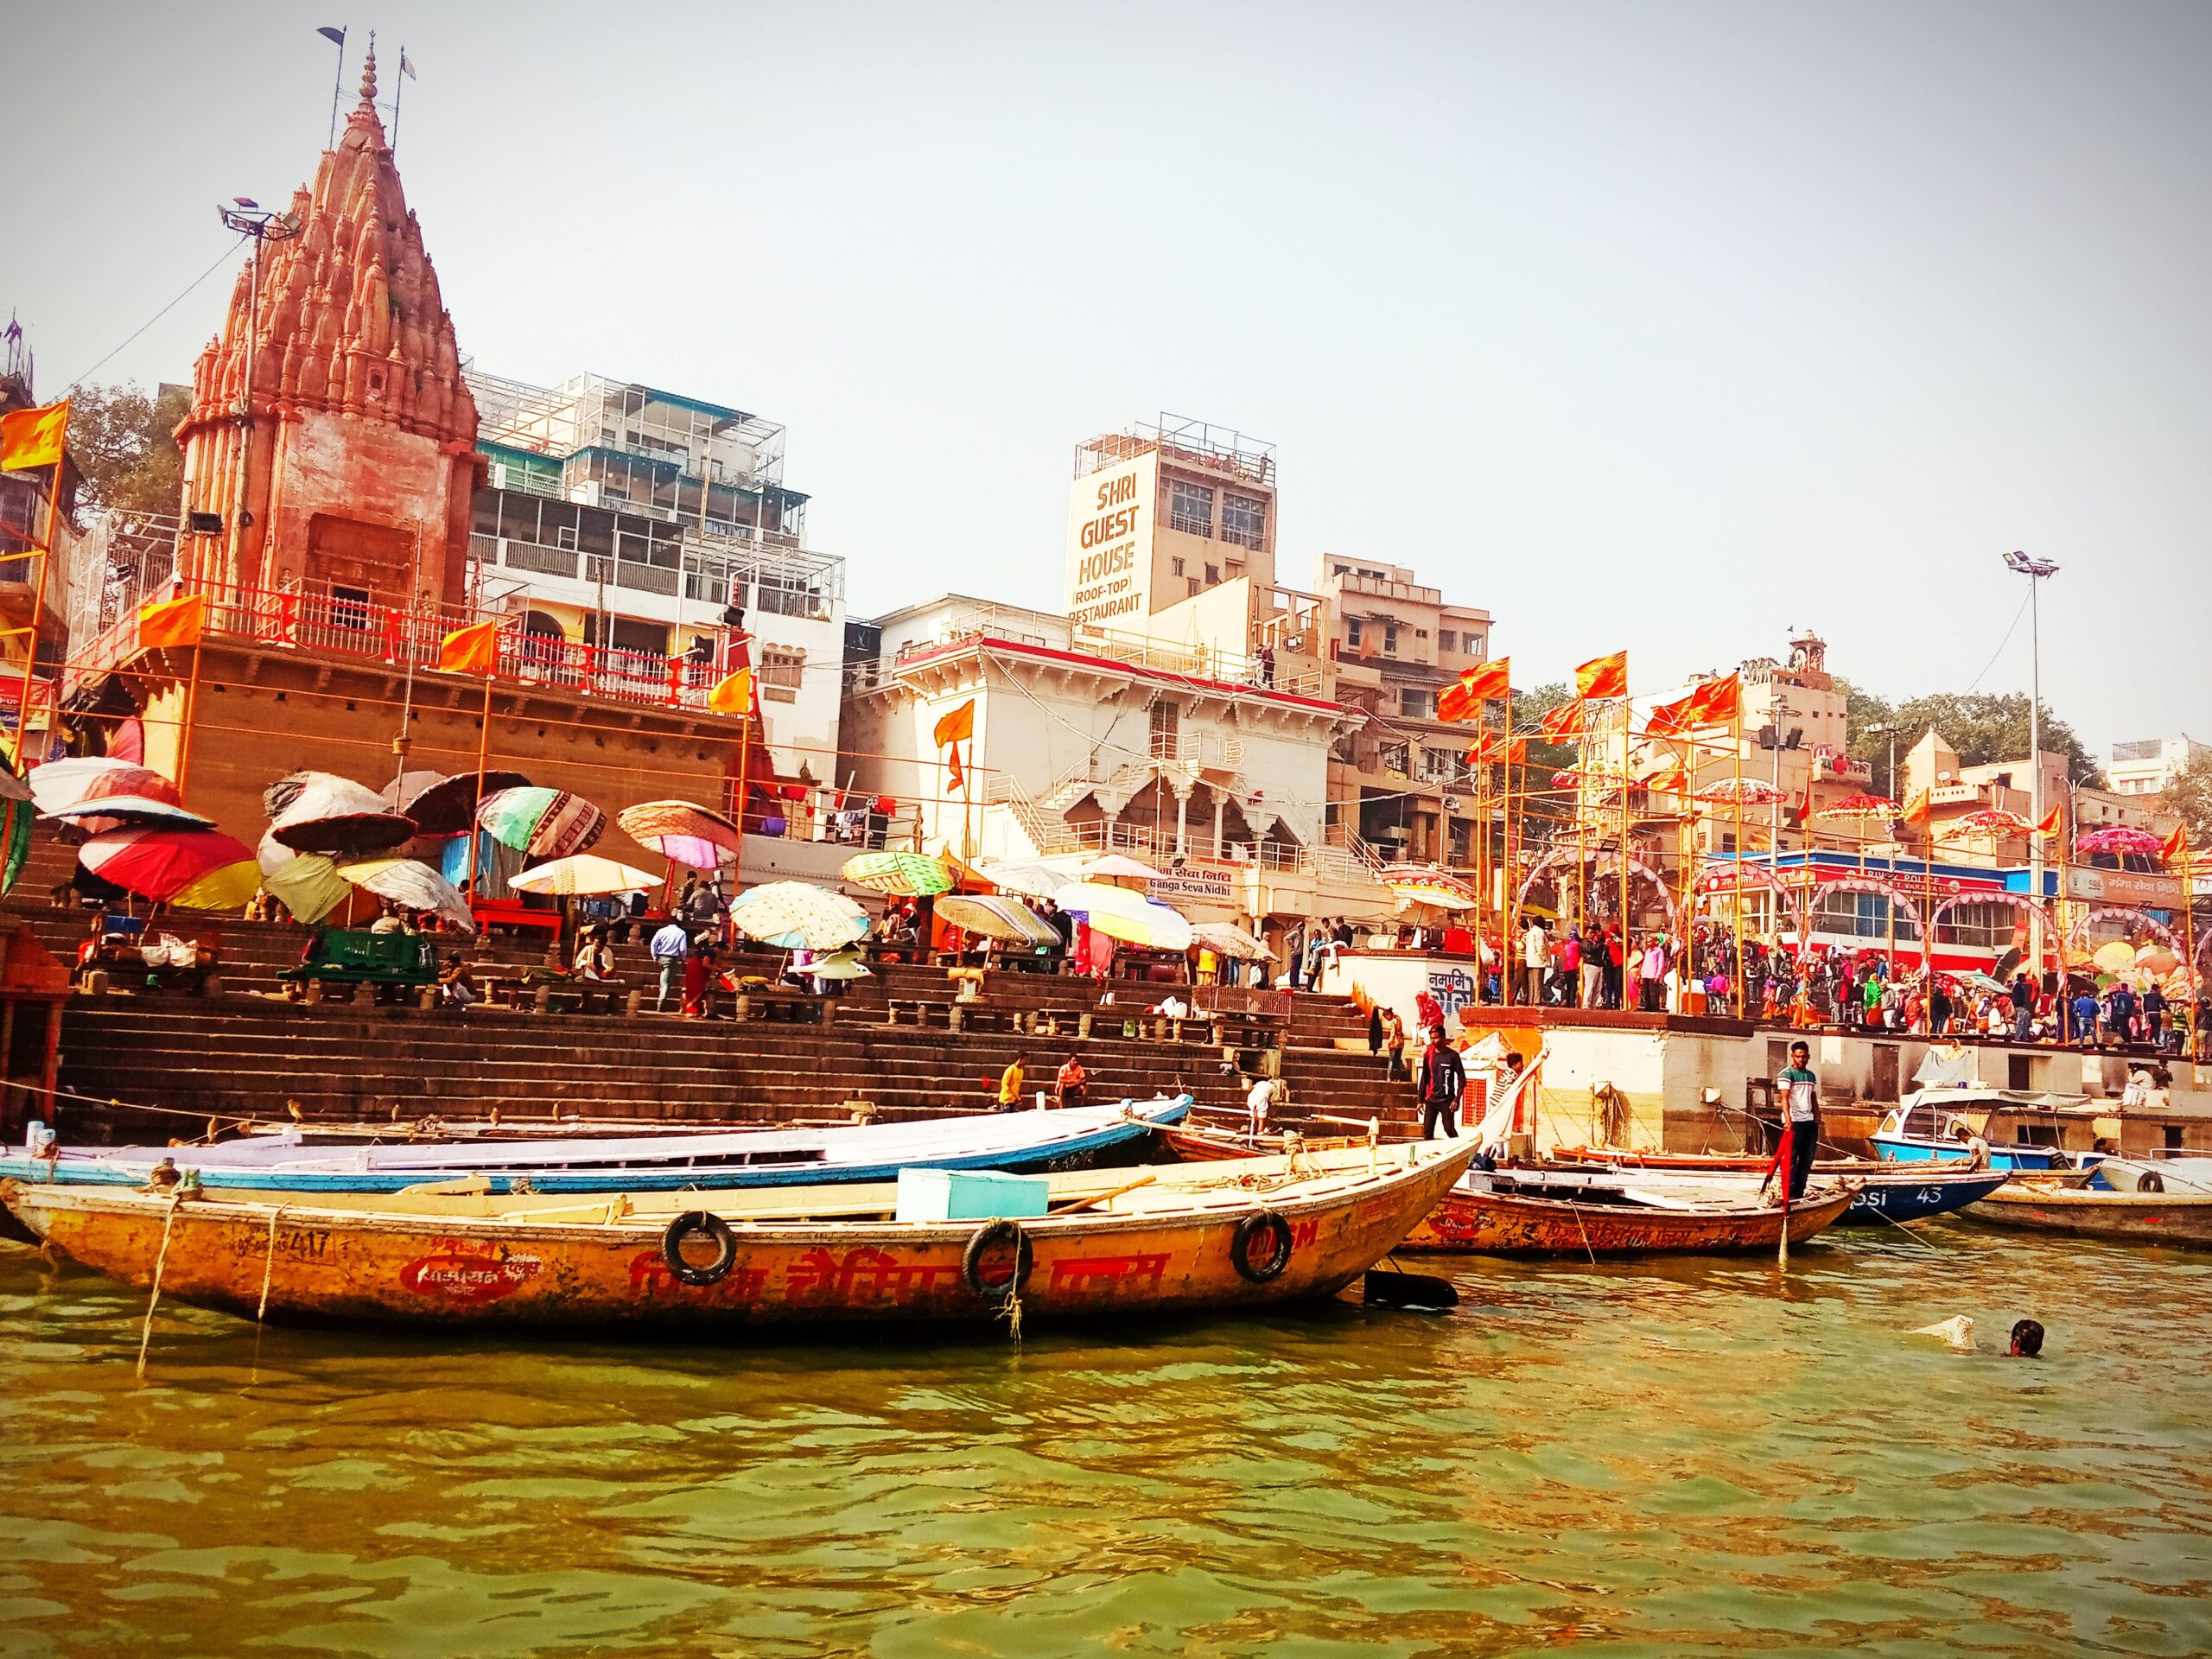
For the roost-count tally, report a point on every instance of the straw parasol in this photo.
(990, 916)
(683, 832)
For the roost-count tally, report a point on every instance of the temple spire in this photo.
(369, 75)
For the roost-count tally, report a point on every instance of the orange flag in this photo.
(1516, 752)
(33, 437)
(1604, 676)
(1675, 780)
(733, 693)
(959, 725)
(2175, 846)
(2049, 825)
(954, 777)
(1717, 702)
(1488, 680)
(1918, 810)
(1563, 723)
(472, 650)
(1673, 719)
(172, 622)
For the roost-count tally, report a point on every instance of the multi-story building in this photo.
(641, 524)
(2147, 766)
(1087, 740)
(1399, 782)
(33, 603)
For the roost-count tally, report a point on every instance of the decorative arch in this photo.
(2018, 901)
(2080, 929)
(1890, 890)
(1559, 855)
(1764, 875)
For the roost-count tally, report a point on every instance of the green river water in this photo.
(1684, 1458)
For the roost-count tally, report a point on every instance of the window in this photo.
(1446, 640)
(1352, 633)
(1213, 573)
(1195, 585)
(349, 607)
(1389, 636)
(1439, 765)
(1243, 519)
(1420, 633)
(1165, 720)
(1190, 508)
(780, 668)
(1174, 567)
(1394, 758)
(1414, 704)
(1981, 927)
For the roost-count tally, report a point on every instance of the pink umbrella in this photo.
(2117, 839)
(1860, 806)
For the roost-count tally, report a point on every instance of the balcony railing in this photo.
(291, 619)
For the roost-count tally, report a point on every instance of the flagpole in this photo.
(1507, 967)
(184, 745)
(483, 757)
(1736, 868)
(399, 87)
(1627, 719)
(30, 652)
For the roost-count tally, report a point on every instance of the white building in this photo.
(652, 524)
(1087, 742)
(2147, 767)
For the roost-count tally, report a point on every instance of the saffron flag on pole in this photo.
(959, 725)
(472, 650)
(2175, 846)
(1463, 698)
(1563, 724)
(1604, 676)
(733, 693)
(2050, 823)
(1672, 719)
(33, 437)
(1716, 702)
(1917, 809)
(954, 776)
(174, 623)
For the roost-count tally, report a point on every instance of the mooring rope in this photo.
(160, 1261)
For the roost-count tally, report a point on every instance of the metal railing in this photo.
(290, 618)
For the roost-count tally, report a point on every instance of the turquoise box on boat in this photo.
(969, 1195)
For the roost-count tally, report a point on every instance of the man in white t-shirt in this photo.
(1799, 1085)
(1535, 955)
(1258, 1103)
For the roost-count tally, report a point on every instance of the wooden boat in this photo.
(1554, 1212)
(1883, 1193)
(1245, 1234)
(2061, 1207)
(713, 1158)
(1886, 1192)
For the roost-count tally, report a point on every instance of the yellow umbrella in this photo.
(581, 874)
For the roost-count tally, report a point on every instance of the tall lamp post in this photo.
(2035, 570)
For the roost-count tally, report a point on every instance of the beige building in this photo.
(1399, 783)
(2147, 767)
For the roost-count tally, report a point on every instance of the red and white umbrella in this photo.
(1859, 807)
(1991, 821)
(201, 869)
(1751, 791)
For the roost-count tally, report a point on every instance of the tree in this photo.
(1986, 729)
(122, 440)
(2190, 793)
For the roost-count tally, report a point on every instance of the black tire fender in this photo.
(986, 1237)
(698, 1221)
(2151, 1181)
(1272, 1223)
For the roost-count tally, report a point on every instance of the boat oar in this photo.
(1105, 1198)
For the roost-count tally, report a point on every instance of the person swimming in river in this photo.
(2027, 1341)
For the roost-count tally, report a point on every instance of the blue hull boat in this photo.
(658, 1163)
(1904, 1197)
(1912, 1149)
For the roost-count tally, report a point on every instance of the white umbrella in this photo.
(1031, 880)
(797, 915)
(416, 886)
(1224, 939)
(581, 874)
(62, 783)
(1117, 866)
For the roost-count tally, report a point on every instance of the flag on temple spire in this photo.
(406, 64)
(1604, 676)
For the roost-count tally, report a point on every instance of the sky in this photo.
(1663, 326)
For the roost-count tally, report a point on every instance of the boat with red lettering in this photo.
(1174, 1238)
(2069, 1204)
(1592, 1213)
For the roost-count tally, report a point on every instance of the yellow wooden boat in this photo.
(1242, 1234)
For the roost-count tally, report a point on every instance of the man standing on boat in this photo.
(1799, 1087)
(1443, 1080)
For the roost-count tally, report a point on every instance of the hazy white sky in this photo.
(1663, 326)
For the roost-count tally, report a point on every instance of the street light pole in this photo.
(2035, 570)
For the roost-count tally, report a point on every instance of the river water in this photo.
(1673, 1459)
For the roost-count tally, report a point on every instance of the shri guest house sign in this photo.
(1109, 543)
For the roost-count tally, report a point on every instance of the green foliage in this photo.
(2190, 793)
(1986, 729)
(122, 440)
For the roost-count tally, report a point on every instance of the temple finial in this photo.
(369, 73)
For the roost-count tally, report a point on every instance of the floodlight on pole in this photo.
(2035, 570)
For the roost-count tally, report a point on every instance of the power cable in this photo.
(156, 318)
